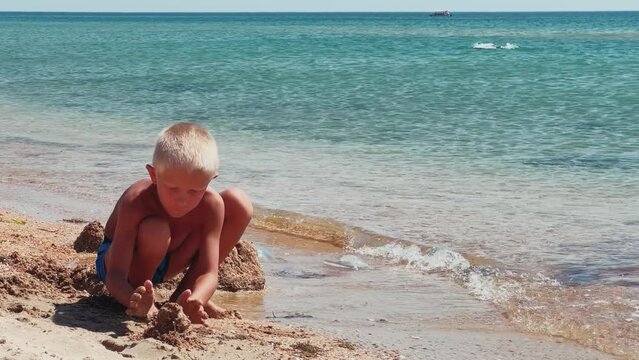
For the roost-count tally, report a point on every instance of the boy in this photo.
(173, 221)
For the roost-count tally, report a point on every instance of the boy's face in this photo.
(180, 191)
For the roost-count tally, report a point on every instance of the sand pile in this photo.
(90, 238)
(26, 275)
(171, 326)
(242, 270)
(169, 318)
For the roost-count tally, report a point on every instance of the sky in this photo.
(314, 5)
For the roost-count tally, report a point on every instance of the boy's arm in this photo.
(126, 231)
(208, 260)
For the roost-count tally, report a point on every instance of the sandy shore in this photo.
(52, 307)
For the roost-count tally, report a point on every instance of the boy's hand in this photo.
(193, 308)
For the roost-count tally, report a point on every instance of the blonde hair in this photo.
(186, 146)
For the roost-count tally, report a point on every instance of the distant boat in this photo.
(441, 13)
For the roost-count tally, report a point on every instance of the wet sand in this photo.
(49, 304)
(423, 316)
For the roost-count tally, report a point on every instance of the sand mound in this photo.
(47, 271)
(86, 278)
(17, 285)
(171, 318)
(172, 327)
(241, 269)
(90, 238)
(41, 274)
(47, 274)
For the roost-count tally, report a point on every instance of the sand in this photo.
(52, 307)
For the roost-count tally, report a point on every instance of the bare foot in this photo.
(217, 312)
(192, 307)
(142, 300)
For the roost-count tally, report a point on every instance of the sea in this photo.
(497, 150)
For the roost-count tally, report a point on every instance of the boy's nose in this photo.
(181, 201)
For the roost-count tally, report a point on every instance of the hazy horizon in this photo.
(308, 11)
(257, 6)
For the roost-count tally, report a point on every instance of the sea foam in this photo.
(492, 46)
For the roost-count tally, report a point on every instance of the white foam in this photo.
(394, 252)
(435, 259)
(446, 259)
(481, 284)
(354, 262)
(485, 46)
(263, 253)
(485, 288)
(542, 279)
(350, 262)
(509, 46)
(492, 46)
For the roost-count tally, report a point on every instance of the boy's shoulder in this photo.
(139, 189)
(140, 195)
(210, 205)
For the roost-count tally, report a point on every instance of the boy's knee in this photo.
(154, 230)
(238, 203)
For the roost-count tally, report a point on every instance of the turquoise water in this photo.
(396, 110)
(393, 123)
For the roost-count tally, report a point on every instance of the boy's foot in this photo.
(192, 307)
(142, 300)
(217, 312)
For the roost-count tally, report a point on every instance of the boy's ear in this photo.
(152, 174)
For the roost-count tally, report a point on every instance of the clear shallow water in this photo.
(392, 123)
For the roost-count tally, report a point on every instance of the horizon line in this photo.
(309, 12)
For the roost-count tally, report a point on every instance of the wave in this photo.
(604, 317)
(315, 228)
(485, 46)
(291, 223)
(492, 46)
(350, 262)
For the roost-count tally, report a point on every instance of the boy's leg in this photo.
(238, 211)
(151, 245)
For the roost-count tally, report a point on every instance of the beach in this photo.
(424, 188)
(48, 305)
(51, 308)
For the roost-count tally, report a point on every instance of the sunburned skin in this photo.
(142, 303)
(174, 213)
(170, 223)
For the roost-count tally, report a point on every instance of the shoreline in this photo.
(415, 320)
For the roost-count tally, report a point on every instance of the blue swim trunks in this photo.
(158, 277)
